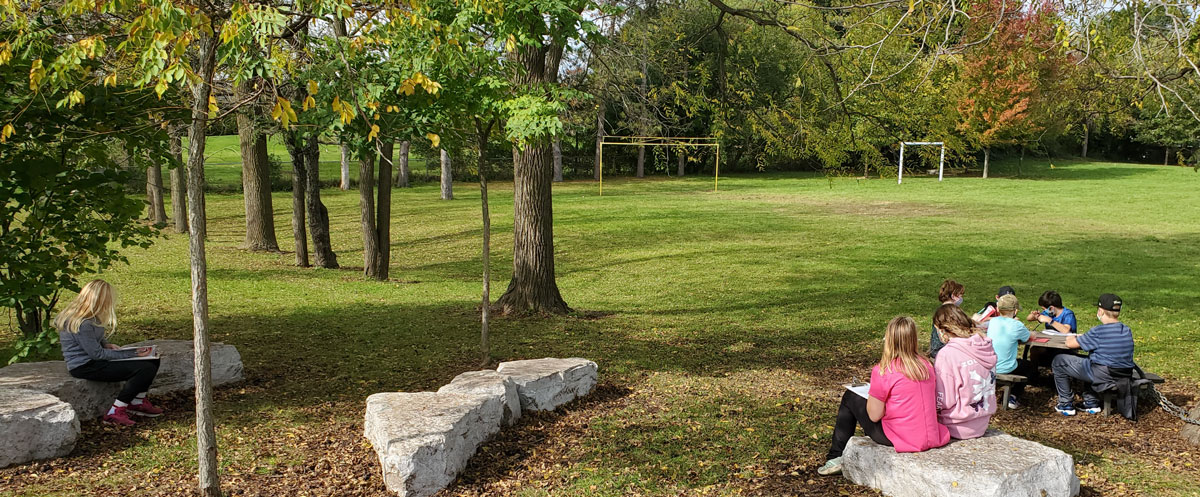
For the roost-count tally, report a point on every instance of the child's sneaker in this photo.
(831, 467)
(145, 409)
(1012, 402)
(1067, 409)
(1092, 407)
(118, 417)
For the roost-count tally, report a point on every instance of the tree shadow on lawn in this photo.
(1068, 170)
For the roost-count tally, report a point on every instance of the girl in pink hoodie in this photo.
(966, 376)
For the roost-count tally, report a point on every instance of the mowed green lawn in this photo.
(223, 170)
(723, 324)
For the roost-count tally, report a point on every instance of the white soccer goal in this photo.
(941, 161)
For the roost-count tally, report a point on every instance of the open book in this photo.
(861, 389)
(153, 354)
(1055, 333)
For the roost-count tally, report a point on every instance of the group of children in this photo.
(915, 404)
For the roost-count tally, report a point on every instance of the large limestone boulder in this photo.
(996, 464)
(90, 399)
(425, 439)
(177, 369)
(34, 425)
(492, 384)
(544, 384)
(1191, 432)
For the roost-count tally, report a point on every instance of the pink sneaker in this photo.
(118, 417)
(145, 409)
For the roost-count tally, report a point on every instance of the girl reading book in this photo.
(82, 331)
(900, 410)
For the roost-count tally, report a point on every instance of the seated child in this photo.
(900, 411)
(966, 384)
(951, 292)
(1111, 347)
(83, 328)
(989, 311)
(1053, 314)
(1006, 334)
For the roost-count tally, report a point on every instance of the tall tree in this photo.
(402, 173)
(157, 212)
(178, 182)
(256, 175)
(447, 176)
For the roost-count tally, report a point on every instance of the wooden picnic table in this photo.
(1041, 339)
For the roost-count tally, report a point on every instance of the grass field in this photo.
(723, 324)
(223, 169)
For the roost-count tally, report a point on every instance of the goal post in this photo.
(661, 141)
(941, 159)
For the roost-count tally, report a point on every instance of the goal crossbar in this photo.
(661, 141)
(941, 160)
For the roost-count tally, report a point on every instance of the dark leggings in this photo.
(1025, 368)
(138, 373)
(851, 414)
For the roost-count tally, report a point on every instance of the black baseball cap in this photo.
(1005, 290)
(1110, 302)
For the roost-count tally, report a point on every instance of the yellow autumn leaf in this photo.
(374, 132)
(160, 87)
(6, 132)
(36, 74)
(309, 103)
(212, 107)
(110, 80)
(5, 52)
(910, 6)
(313, 87)
(434, 140)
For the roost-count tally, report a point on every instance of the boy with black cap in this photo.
(990, 311)
(1111, 348)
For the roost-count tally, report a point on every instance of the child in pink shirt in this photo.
(901, 410)
(966, 378)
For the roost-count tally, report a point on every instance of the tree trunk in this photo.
(402, 166)
(372, 251)
(383, 208)
(206, 434)
(682, 162)
(345, 184)
(987, 153)
(256, 181)
(1167, 157)
(485, 349)
(295, 150)
(533, 287)
(641, 163)
(157, 212)
(447, 177)
(1086, 131)
(599, 139)
(318, 215)
(558, 167)
(178, 184)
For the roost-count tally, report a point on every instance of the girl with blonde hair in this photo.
(83, 328)
(900, 410)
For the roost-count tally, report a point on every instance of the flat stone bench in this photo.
(995, 464)
(41, 405)
(425, 439)
(91, 399)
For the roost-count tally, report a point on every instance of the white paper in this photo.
(1054, 333)
(862, 389)
(153, 354)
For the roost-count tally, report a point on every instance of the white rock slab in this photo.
(90, 399)
(492, 384)
(425, 439)
(996, 464)
(177, 368)
(544, 384)
(34, 425)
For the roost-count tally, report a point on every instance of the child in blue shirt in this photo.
(1053, 314)
(1111, 348)
(1007, 334)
